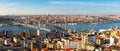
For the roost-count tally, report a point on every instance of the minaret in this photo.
(74, 30)
(31, 46)
(27, 29)
(38, 29)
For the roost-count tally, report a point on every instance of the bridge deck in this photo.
(32, 26)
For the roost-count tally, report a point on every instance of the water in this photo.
(96, 26)
(18, 29)
(15, 29)
(77, 27)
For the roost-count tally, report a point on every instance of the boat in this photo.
(1, 24)
(72, 23)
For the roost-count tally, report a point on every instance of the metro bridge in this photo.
(33, 26)
(36, 27)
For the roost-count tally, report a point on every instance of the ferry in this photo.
(72, 23)
(1, 25)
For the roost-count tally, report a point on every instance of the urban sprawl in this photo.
(53, 40)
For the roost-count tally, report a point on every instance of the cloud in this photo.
(86, 3)
(10, 4)
(67, 2)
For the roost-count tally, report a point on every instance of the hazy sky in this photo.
(59, 7)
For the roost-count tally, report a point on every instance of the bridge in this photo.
(48, 30)
(57, 26)
(36, 27)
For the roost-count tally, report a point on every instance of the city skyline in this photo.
(37, 7)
